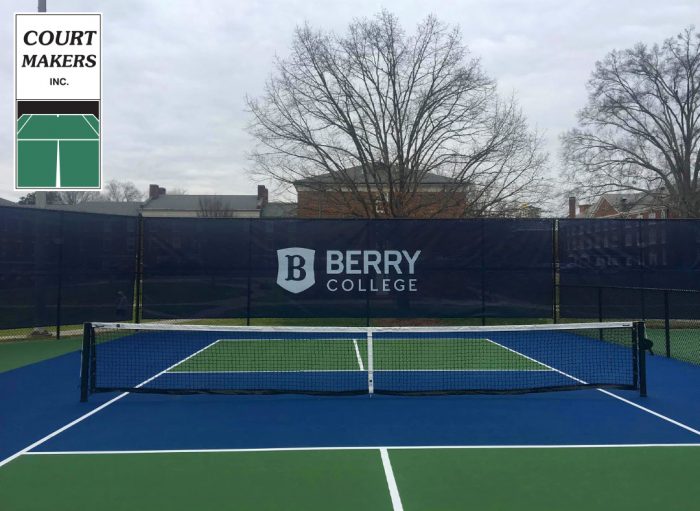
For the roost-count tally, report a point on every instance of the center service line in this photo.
(390, 480)
(357, 354)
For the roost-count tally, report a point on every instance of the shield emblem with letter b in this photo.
(295, 269)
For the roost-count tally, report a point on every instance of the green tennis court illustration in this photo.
(58, 151)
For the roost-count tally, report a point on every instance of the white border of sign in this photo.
(14, 110)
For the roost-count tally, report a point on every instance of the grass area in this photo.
(685, 343)
(308, 480)
(28, 333)
(14, 354)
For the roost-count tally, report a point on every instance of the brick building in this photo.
(620, 205)
(323, 196)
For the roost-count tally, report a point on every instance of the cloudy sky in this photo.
(176, 72)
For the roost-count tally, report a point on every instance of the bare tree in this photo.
(121, 191)
(211, 206)
(73, 198)
(68, 198)
(640, 131)
(398, 107)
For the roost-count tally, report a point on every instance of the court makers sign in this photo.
(58, 81)
(347, 271)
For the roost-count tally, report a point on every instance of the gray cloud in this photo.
(176, 72)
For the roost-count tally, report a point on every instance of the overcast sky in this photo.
(175, 73)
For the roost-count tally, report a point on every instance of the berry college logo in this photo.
(295, 269)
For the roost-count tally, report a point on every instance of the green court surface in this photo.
(257, 355)
(433, 479)
(542, 479)
(58, 151)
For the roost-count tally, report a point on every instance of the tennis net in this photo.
(335, 360)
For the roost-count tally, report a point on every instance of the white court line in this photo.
(61, 115)
(93, 129)
(406, 370)
(27, 449)
(357, 354)
(58, 164)
(606, 392)
(25, 124)
(101, 407)
(390, 480)
(355, 448)
(57, 140)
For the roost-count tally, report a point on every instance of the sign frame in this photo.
(100, 179)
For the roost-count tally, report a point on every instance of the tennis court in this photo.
(58, 150)
(604, 447)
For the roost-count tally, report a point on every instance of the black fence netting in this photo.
(346, 268)
(639, 254)
(64, 268)
(59, 269)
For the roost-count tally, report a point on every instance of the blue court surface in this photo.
(583, 449)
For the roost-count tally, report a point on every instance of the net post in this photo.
(370, 363)
(641, 357)
(85, 362)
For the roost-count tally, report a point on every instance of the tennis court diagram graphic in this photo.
(58, 151)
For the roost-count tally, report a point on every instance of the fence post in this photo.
(248, 280)
(556, 291)
(667, 324)
(138, 285)
(600, 310)
(370, 240)
(483, 272)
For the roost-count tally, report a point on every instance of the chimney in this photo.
(572, 207)
(262, 196)
(155, 191)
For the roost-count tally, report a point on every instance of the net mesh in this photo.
(193, 359)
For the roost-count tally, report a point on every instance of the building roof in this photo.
(5, 202)
(101, 207)
(247, 206)
(196, 202)
(625, 203)
(356, 175)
